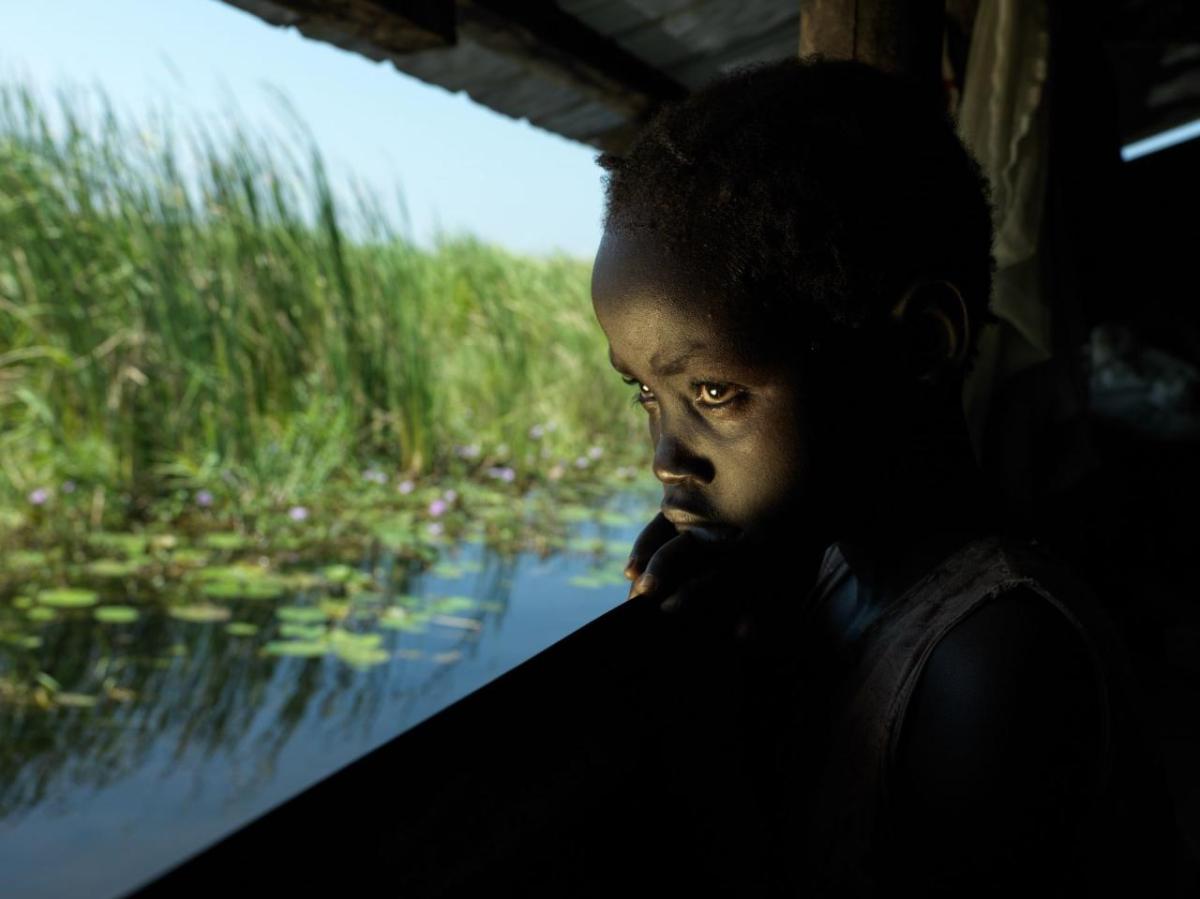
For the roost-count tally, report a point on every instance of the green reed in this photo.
(224, 330)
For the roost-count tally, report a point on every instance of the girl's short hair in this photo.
(810, 189)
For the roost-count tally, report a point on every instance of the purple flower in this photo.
(468, 452)
(595, 452)
(581, 462)
(375, 476)
(435, 528)
(495, 471)
(68, 487)
(437, 507)
(38, 497)
(536, 432)
(507, 475)
(450, 495)
(297, 513)
(405, 487)
(204, 499)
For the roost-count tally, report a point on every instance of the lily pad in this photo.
(300, 580)
(200, 614)
(237, 572)
(229, 589)
(115, 614)
(115, 567)
(301, 614)
(68, 597)
(340, 637)
(306, 649)
(163, 541)
(338, 574)
(124, 543)
(399, 619)
(360, 656)
(228, 541)
(189, 556)
(576, 514)
(20, 559)
(309, 632)
(451, 604)
(334, 608)
(41, 613)
(22, 602)
(241, 629)
(446, 571)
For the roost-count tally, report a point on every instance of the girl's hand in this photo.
(686, 570)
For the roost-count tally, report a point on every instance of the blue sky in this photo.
(457, 164)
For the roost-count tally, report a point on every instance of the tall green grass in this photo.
(224, 331)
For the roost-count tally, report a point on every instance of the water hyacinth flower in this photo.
(435, 528)
(204, 499)
(471, 451)
(38, 497)
(68, 487)
(437, 507)
(298, 513)
(375, 476)
(536, 432)
(450, 495)
(581, 462)
(405, 487)
(595, 452)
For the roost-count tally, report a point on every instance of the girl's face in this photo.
(725, 412)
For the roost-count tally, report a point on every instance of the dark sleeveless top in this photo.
(835, 725)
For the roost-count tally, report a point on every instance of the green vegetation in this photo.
(185, 356)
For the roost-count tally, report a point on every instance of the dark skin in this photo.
(872, 452)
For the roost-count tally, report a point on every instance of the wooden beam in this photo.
(901, 36)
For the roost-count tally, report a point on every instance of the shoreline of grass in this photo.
(164, 342)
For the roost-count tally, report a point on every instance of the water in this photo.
(164, 734)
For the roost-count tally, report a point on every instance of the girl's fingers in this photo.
(683, 558)
(653, 536)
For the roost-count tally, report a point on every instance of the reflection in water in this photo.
(132, 742)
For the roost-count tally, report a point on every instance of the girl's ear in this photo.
(934, 315)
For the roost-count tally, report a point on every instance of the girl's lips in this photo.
(711, 532)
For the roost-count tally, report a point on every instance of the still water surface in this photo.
(171, 733)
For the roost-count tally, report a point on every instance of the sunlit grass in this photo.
(172, 344)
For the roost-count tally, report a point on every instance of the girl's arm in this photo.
(997, 756)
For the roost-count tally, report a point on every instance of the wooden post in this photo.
(901, 36)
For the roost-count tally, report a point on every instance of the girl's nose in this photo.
(674, 462)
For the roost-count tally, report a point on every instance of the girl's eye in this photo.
(710, 393)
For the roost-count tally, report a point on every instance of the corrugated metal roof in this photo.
(594, 70)
(589, 87)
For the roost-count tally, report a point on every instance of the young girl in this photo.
(795, 268)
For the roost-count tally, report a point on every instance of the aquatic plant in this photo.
(222, 341)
